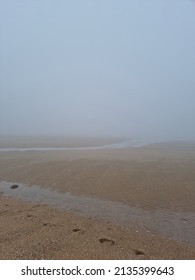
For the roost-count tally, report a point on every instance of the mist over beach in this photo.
(98, 68)
(97, 134)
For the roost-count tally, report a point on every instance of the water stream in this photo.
(120, 145)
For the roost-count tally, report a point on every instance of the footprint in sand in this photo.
(76, 229)
(138, 252)
(48, 224)
(107, 241)
(30, 215)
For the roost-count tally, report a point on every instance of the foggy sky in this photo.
(98, 67)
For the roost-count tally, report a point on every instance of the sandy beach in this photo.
(127, 203)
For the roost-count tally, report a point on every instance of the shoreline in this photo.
(162, 222)
(33, 231)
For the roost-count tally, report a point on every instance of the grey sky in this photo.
(98, 67)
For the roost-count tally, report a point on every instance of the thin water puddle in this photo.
(176, 225)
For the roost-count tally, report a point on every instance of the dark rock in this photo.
(14, 186)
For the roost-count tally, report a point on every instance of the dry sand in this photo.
(157, 179)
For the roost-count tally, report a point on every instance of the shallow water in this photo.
(120, 145)
(177, 225)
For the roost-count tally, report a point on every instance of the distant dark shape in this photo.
(14, 186)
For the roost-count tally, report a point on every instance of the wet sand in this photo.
(156, 180)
